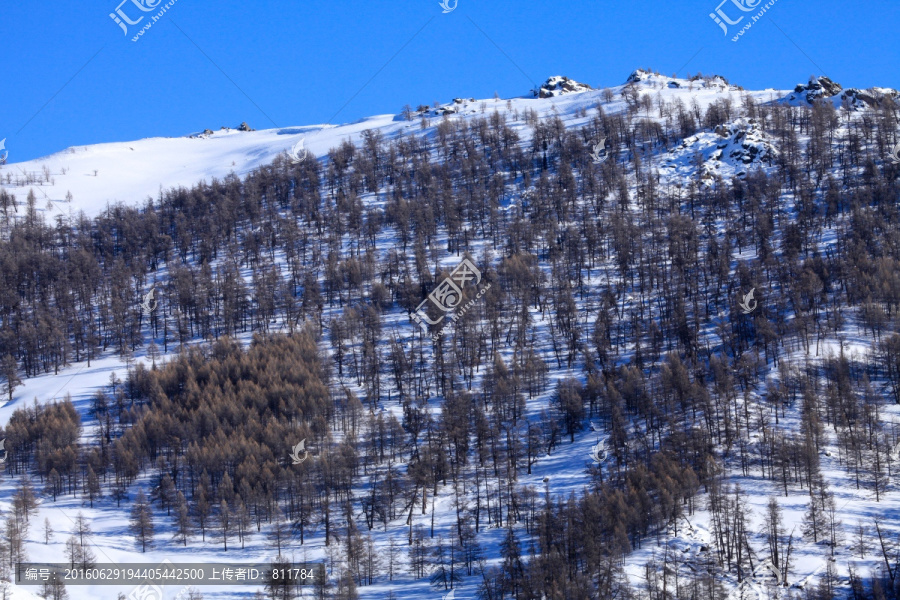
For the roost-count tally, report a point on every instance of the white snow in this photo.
(130, 172)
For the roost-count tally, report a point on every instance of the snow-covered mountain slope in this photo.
(130, 172)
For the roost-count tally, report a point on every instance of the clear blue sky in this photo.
(72, 77)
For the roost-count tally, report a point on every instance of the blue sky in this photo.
(72, 77)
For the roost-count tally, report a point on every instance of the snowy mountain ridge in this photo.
(131, 172)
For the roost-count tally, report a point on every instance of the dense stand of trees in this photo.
(611, 274)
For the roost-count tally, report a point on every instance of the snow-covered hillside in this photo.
(737, 147)
(131, 172)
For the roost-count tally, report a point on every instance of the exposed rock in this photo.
(819, 87)
(557, 86)
(245, 127)
(748, 143)
(717, 81)
(732, 149)
(870, 98)
(823, 88)
(638, 75)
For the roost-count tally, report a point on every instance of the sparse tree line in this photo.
(626, 283)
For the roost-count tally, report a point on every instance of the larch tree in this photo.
(141, 521)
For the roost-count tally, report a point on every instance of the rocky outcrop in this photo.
(639, 75)
(731, 150)
(745, 143)
(870, 98)
(823, 88)
(818, 87)
(557, 86)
